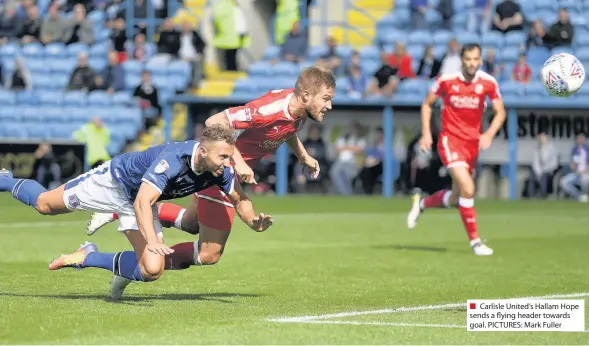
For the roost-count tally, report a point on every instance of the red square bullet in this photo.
(473, 305)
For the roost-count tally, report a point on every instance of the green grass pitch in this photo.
(324, 255)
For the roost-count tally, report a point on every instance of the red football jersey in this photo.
(263, 124)
(463, 103)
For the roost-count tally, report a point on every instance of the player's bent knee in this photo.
(151, 270)
(190, 227)
(467, 191)
(209, 258)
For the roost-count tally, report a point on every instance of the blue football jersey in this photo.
(168, 168)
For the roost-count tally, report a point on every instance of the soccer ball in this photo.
(562, 75)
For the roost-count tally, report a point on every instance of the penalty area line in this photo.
(303, 319)
(389, 324)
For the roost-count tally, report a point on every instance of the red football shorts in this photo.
(214, 209)
(455, 152)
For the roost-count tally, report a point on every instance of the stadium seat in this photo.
(583, 54)
(537, 55)
(344, 52)
(7, 97)
(559, 50)
(122, 98)
(103, 35)
(316, 52)
(55, 114)
(13, 130)
(9, 50)
(74, 98)
(60, 80)
(243, 85)
(391, 37)
(63, 131)
(32, 50)
(99, 98)
(156, 67)
(180, 68)
(512, 88)
(26, 97)
(97, 17)
(260, 68)
(535, 88)
(49, 97)
(421, 38)
(371, 53)
(37, 66)
(55, 50)
(97, 64)
(509, 55)
(99, 49)
(30, 114)
(433, 18)
(515, 39)
(8, 113)
(546, 5)
(442, 37)
(272, 52)
(285, 69)
(132, 67)
(74, 49)
(160, 81)
(65, 66)
(467, 37)
(132, 81)
(38, 131)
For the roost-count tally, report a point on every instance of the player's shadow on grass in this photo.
(411, 248)
(221, 297)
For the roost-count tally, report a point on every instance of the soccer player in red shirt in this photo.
(261, 126)
(463, 95)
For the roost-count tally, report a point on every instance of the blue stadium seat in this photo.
(546, 5)
(132, 81)
(9, 50)
(509, 55)
(369, 53)
(42, 81)
(342, 84)
(156, 67)
(440, 50)
(582, 53)
(7, 97)
(60, 80)
(414, 86)
(97, 64)
(370, 67)
(74, 49)
(421, 38)
(30, 113)
(9, 113)
(272, 52)
(160, 81)
(55, 50)
(316, 52)
(387, 21)
(546, 17)
(459, 21)
(180, 68)
(559, 50)
(285, 69)
(13, 130)
(442, 37)
(260, 68)
(37, 131)
(99, 50)
(49, 97)
(74, 98)
(63, 131)
(32, 50)
(99, 98)
(433, 18)
(62, 65)
(343, 52)
(467, 37)
(132, 67)
(103, 35)
(402, 3)
(26, 98)
(96, 17)
(122, 98)
(578, 19)
(391, 37)
(55, 114)
(515, 38)
(512, 88)
(243, 85)
(535, 88)
(537, 55)
(37, 66)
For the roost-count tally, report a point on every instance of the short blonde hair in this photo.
(218, 133)
(313, 78)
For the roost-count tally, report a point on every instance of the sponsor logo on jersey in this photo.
(270, 144)
(161, 167)
(466, 102)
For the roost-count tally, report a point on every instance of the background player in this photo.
(463, 95)
(131, 183)
(261, 127)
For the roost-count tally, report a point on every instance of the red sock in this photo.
(469, 217)
(181, 258)
(115, 216)
(437, 200)
(171, 214)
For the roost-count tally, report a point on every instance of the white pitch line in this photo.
(302, 319)
(393, 324)
(40, 224)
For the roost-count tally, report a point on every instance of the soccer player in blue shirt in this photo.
(131, 184)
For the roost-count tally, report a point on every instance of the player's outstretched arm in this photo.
(147, 196)
(498, 119)
(305, 159)
(245, 210)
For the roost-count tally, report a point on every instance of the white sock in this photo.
(178, 222)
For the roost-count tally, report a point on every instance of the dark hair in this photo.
(313, 78)
(218, 133)
(467, 47)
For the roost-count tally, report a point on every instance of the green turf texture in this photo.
(323, 255)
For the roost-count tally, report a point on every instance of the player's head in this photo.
(315, 88)
(471, 59)
(215, 150)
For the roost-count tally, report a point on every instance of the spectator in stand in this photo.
(446, 10)
(169, 42)
(112, 78)
(579, 171)
(451, 62)
(536, 35)
(8, 24)
(372, 168)
(54, 27)
(82, 77)
(80, 28)
(47, 164)
(491, 65)
(295, 45)
(140, 49)
(22, 12)
(544, 165)
(192, 49)
(561, 33)
(521, 71)
(402, 61)
(358, 83)
(148, 97)
(21, 77)
(30, 28)
(418, 10)
(118, 37)
(345, 168)
(331, 59)
(354, 62)
(317, 149)
(508, 17)
(385, 79)
(96, 136)
(478, 15)
(429, 66)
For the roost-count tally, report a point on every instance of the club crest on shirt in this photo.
(74, 201)
(161, 167)
(478, 89)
